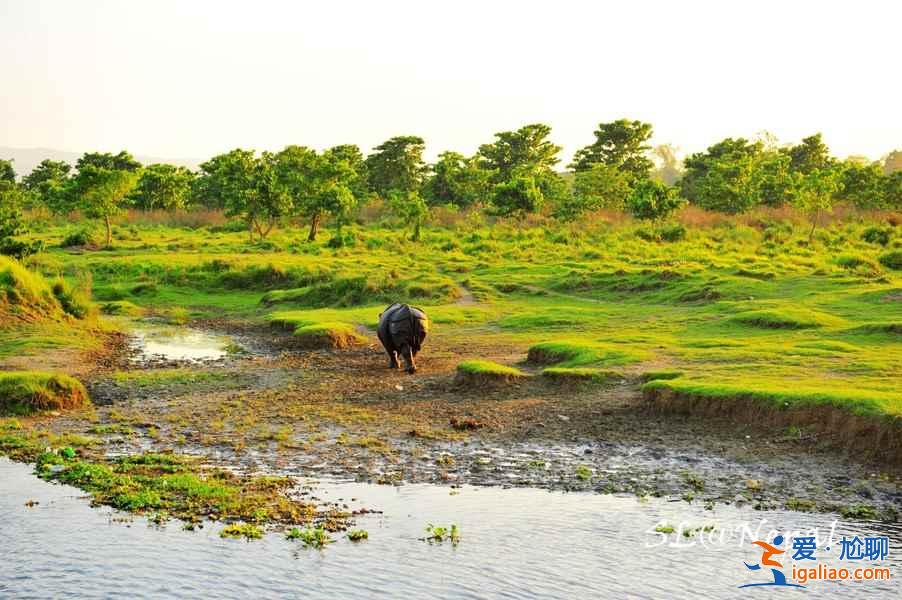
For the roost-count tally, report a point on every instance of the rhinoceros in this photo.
(402, 331)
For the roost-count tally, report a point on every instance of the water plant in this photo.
(439, 534)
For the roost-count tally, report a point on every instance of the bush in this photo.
(876, 235)
(673, 232)
(892, 260)
(73, 302)
(79, 237)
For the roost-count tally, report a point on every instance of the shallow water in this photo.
(516, 543)
(177, 343)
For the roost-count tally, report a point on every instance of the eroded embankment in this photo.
(875, 437)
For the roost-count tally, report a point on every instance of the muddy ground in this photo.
(275, 409)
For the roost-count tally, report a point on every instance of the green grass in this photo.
(749, 307)
(572, 354)
(158, 377)
(27, 392)
(786, 318)
(487, 368)
(578, 374)
(330, 335)
(791, 395)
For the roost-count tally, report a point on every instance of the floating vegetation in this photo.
(439, 534)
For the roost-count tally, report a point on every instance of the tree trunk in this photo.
(314, 227)
(109, 231)
(817, 215)
(250, 230)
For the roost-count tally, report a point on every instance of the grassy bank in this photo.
(754, 305)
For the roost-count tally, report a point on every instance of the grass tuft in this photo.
(28, 392)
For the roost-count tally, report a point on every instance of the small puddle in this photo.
(154, 341)
(515, 543)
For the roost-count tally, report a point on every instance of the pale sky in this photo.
(180, 78)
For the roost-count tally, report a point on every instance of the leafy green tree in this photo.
(47, 182)
(397, 165)
(517, 197)
(521, 168)
(653, 201)
(622, 144)
(513, 154)
(102, 193)
(723, 162)
(600, 186)
(815, 192)
(102, 185)
(111, 162)
(12, 223)
(7, 172)
(410, 208)
(319, 184)
(812, 154)
(862, 184)
(353, 157)
(735, 175)
(457, 180)
(892, 191)
(163, 186)
(248, 188)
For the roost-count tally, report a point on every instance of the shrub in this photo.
(73, 302)
(79, 237)
(892, 260)
(673, 232)
(876, 235)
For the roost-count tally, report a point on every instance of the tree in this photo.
(352, 155)
(47, 182)
(621, 144)
(7, 172)
(12, 224)
(735, 175)
(720, 158)
(162, 186)
(102, 184)
(515, 153)
(102, 193)
(812, 154)
(319, 185)
(517, 197)
(892, 190)
(600, 186)
(862, 184)
(397, 165)
(653, 201)
(112, 162)
(456, 181)
(410, 208)
(247, 187)
(814, 193)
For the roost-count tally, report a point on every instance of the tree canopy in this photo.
(622, 144)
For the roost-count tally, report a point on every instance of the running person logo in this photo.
(767, 560)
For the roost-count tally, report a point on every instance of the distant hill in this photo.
(26, 159)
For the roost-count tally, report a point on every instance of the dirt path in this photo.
(466, 297)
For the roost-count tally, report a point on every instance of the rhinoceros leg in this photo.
(393, 360)
(407, 355)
